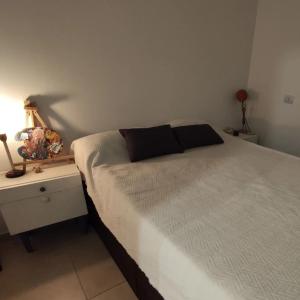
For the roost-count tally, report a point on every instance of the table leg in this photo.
(26, 241)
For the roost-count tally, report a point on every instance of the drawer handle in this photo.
(42, 189)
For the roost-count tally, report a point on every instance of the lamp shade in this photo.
(12, 117)
(241, 95)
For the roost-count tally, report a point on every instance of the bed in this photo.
(219, 222)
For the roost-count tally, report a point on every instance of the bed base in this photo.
(134, 275)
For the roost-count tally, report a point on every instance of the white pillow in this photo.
(101, 148)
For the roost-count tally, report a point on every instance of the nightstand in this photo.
(39, 199)
(250, 137)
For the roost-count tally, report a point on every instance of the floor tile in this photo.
(95, 268)
(56, 238)
(121, 292)
(66, 264)
(35, 276)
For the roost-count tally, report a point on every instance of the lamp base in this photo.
(15, 173)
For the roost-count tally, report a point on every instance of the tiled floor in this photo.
(67, 265)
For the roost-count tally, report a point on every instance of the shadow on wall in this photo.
(280, 137)
(52, 113)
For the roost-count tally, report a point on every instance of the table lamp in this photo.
(13, 173)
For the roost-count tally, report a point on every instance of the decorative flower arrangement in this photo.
(39, 143)
(242, 96)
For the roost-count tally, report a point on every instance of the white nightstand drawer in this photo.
(45, 209)
(39, 188)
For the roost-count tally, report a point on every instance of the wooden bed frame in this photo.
(134, 275)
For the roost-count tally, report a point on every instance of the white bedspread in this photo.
(214, 223)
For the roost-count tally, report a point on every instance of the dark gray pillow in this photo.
(192, 136)
(143, 143)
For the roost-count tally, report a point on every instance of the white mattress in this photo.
(215, 223)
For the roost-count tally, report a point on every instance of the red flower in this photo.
(241, 95)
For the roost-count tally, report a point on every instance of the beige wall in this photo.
(275, 72)
(99, 64)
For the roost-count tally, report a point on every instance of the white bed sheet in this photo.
(215, 223)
